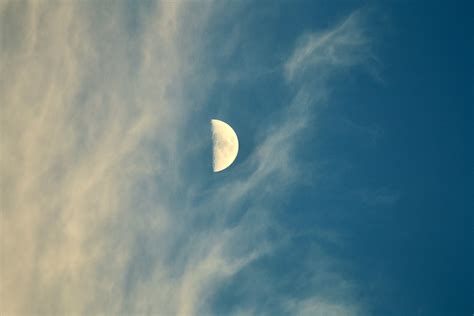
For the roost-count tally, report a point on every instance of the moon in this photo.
(225, 145)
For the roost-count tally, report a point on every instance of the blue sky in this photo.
(351, 193)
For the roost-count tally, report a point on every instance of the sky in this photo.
(352, 192)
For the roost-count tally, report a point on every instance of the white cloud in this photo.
(78, 120)
(315, 307)
(343, 46)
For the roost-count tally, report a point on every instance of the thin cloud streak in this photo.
(344, 46)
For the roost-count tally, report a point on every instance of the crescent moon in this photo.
(225, 145)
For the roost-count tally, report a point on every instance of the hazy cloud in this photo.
(321, 52)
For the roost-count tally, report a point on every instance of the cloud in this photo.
(321, 53)
(316, 307)
(81, 105)
(97, 213)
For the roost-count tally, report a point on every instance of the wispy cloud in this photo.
(322, 53)
(97, 214)
(315, 307)
(89, 115)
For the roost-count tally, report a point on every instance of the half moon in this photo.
(225, 145)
